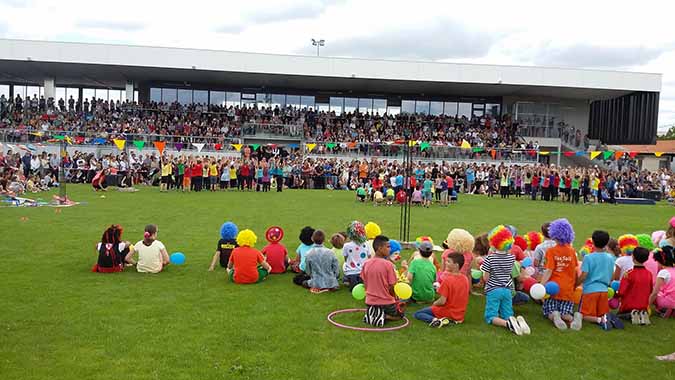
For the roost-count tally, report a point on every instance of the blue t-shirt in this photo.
(469, 175)
(427, 185)
(419, 174)
(399, 180)
(599, 267)
(302, 252)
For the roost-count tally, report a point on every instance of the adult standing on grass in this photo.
(152, 255)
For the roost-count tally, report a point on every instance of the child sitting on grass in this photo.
(355, 254)
(247, 265)
(112, 251)
(152, 255)
(298, 264)
(663, 295)
(361, 193)
(227, 242)
(421, 274)
(450, 307)
(275, 253)
(379, 278)
(497, 268)
(635, 289)
(322, 266)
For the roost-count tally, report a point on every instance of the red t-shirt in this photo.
(451, 183)
(245, 261)
(197, 170)
(276, 255)
(635, 289)
(378, 275)
(455, 288)
(245, 171)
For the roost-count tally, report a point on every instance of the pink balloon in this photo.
(614, 303)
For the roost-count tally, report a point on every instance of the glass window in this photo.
(21, 91)
(336, 105)
(248, 103)
(200, 96)
(408, 106)
(88, 94)
(114, 95)
(169, 95)
(4, 90)
(307, 102)
(464, 109)
(155, 94)
(278, 100)
(492, 109)
(32, 90)
(365, 105)
(74, 92)
(233, 99)
(59, 93)
(436, 108)
(293, 101)
(185, 97)
(263, 100)
(380, 106)
(450, 109)
(323, 107)
(393, 110)
(422, 107)
(217, 98)
(102, 94)
(351, 104)
(135, 96)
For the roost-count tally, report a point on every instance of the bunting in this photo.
(178, 146)
(199, 146)
(424, 146)
(607, 154)
(568, 154)
(294, 146)
(331, 145)
(658, 154)
(477, 149)
(237, 147)
(465, 144)
(256, 146)
(493, 153)
(632, 154)
(59, 137)
(595, 154)
(160, 146)
(218, 146)
(119, 143)
(618, 155)
(412, 143)
(139, 144)
(310, 146)
(544, 153)
(580, 153)
(351, 145)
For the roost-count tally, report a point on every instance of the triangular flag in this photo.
(658, 154)
(199, 146)
(69, 140)
(493, 153)
(119, 143)
(351, 145)
(477, 149)
(160, 146)
(595, 154)
(294, 146)
(607, 154)
(255, 146)
(465, 144)
(568, 154)
(544, 153)
(59, 137)
(580, 153)
(39, 134)
(331, 145)
(11, 147)
(139, 144)
(178, 146)
(310, 146)
(618, 155)
(237, 147)
(633, 154)
(218, 146)
(412, 143)
(424, 146)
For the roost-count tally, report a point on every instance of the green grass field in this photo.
(60, 321)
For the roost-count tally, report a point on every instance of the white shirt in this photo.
(625, 263)
(149, 257)
(664, 274)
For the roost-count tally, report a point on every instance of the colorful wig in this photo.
(356, 232)
(246, 238)
(520, 242)
(645, 241)
(372, 230)
(228, 231)
(533, 239)
(561, 231)
(500, 238)
(627, 243)
(460, 241)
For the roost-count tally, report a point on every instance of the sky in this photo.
(615, 35)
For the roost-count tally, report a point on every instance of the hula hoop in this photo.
(344, 311)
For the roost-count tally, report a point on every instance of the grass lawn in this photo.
(60, 321)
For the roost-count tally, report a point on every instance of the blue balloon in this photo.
(552, 288)
(615, 285)
(177, 258)
(527, 262)
(394, 247)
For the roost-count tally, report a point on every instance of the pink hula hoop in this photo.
(344, 311)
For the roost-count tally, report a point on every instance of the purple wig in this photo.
(561, 231)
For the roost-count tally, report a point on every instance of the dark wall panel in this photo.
(630, 119)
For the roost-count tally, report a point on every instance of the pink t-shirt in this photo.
(378, 275)
(417, 196)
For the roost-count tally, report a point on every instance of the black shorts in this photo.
(166, 178)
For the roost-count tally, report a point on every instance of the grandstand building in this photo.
(548, 103)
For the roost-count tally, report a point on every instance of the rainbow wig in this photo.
(500, 238)
(645, 241)
(627, 244)
(246, 238)
(356, 232)
(372, 230)
(228, 231)
(520, 242)
(460, 241)
(585, 250)
(533, 239)
(561, 231)
(420, 239)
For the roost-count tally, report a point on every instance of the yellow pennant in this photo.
(119, 143)
(658, 154)
(412, 143)
(237, 146)
(465, 144)
(595, 154)
(310, 146)
(544, 153)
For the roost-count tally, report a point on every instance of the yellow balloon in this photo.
(403, 290)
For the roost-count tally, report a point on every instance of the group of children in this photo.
(509, 268)
(420, 194)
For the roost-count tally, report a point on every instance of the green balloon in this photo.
(359, 292)
(476, 274)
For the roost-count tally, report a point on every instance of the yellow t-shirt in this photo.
(213, 170)
(233, 173)
(166, 170)
(595, 184)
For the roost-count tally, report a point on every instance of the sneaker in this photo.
(523, 325)
(558, 322)
(439, 322)
(635, 317)
(604, 323)
(615, 321)
(577, 322)
(513, 326)
(644, 318)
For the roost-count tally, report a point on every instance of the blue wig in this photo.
(228, 231)
(561, 231)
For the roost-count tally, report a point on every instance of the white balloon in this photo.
(537, 291)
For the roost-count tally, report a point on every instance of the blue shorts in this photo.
(498, 303)
(564, 307)
(426, 195)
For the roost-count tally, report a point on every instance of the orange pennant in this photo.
(351, 145)
(160, 146)
(618, 155)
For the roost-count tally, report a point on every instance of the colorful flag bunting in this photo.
(618, 155)
(160, 146)
(237, 147)
(658, 154)
(255, 146)
(594, 154)
(119, 143)
(178, 146)
(199, 146)
(607, 154)
(139, 144)
(465, 144)
(632, 154)
(310, 146)
(424, 146)
(331, 145)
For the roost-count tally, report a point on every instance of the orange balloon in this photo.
(577, 294)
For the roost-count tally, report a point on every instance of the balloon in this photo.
(577, 295)
(530, 271)
(615, 285)
(359, 292)
(476, 274)
(538, 291)
(403, 290)
(552, 288)
(527, 262)
(614, 303)
(610, 293)
(177, 258)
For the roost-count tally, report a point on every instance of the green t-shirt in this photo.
(360, 191)
(181, 169)
(575, 183)
(424, 275)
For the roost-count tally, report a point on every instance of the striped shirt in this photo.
(499, 266)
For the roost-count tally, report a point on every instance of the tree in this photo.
(670, 135)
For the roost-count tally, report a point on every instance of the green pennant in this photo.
(255, 146)
(607, 154)
(477, 149)
(139, 144)
(424, 145)
(59, 137)
(556, 152)
(331, 145)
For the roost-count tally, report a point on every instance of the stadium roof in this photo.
(104, 65)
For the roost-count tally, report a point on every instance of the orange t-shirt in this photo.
(363, 171)
(245, 261)
(561, 260)
(455, 289)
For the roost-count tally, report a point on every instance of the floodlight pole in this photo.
(318, 44)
